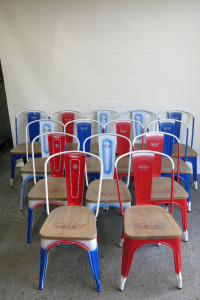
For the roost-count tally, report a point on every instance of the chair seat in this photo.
(39, 166)
(56, 189)
(21, 149)
(190, 151)
(109, 192)
(70, 223)
(149, 222)
(161, 189)
(166, 166)
(72, 146)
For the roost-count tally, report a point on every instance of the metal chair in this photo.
(56, 182)
(45, 126)
(71, 224)
(171, 126)
(107, 152)
(19, 151)
(103, 116)
(140, 115)
(155, 141)
(145, 223)
(189, 119)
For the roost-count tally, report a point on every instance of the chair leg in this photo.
(193, 161)
(121, 242)
(94, 264)
(176, 246)
(129, 248)
(13, 163)
(24, 179)
(183, 207)
(186, 179)
(43, 266)
(30, 223)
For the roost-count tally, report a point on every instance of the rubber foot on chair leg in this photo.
(195, 185)
(185, 233)
(179, 280)
(189, 206)
(11, 182)
(122, 283)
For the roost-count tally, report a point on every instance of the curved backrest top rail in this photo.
(68, 152)
(142, 152)
(70, 111)
(46, 134)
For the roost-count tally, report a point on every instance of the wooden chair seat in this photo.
(190, 151)
(109, 192)
(39, 166)
(21, 149)
(161, 189)
(166, 168)
(56, 190)
(71, 146)
(149, 222)
(70, 223)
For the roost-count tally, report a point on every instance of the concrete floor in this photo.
(69, 276)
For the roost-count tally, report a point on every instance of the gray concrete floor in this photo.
(152, 274)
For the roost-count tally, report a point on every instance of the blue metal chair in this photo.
(72, 224)
(189, 119)
(19, 151)
(27, 170)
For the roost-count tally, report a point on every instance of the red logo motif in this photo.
(143, 167)
(153, 225)
(69, 226)
(107, 146)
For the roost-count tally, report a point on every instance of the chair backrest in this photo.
(56, 144)
(44, 126)
(74, 171)
(103, 116)
(23, 118)
(66, 116)
(155, 141)
(170, 126)
(180, 115)
(140, 115)
(123, 127)
(83, 129)
(143, 164)
(107, 151)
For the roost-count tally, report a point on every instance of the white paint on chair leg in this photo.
(185, 233)
(189, 206)
(122, 283)
(11, 182)
(158, 244)
(179, 280)
(121, 242)
(196, 185)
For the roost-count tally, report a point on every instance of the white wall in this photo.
(87, 54)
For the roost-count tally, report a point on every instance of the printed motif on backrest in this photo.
(107, 150)
(169, 127)
(138, 116)
(46, 126)
(154, 142)
(123, 128)
(74, 173)
(143, 174)
(33, 128)
(84, 131)
(103, 116)
(177, 116)
(67, 117)
(56, 144)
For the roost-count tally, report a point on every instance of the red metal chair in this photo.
(145, 223)
(56, 182)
